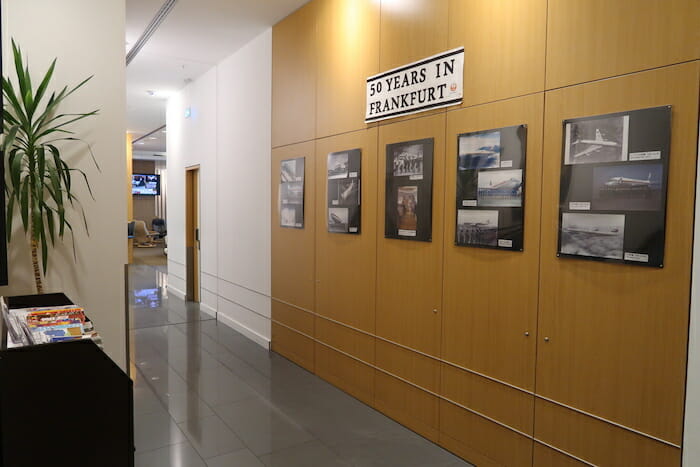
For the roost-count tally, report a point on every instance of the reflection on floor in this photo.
(206, 396)
(151, 256)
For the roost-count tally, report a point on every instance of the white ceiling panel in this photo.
(195, 36)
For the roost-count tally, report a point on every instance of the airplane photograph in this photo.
(338, 165)
(288, 170)
(597, 140)
(597, 235)
(629, 187)
(338, 220)
(348, 192)
(477, 227)
(500, 188)
(479, 151)
(292, 192)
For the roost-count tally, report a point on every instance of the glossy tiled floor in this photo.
(205, 396)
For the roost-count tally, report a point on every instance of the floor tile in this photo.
(242, 458)
(261, 427)
(313, 453)
(145, 400)
(155, 430)
(205, 395)
(176, 455)
(219, 386)
(185, 406)
(210, 436)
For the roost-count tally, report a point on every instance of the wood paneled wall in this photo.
(449, 340)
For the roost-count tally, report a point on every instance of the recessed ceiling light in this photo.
(152, 137)
(140, 142)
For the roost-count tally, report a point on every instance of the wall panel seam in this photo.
(606, 78)
(525, 391)
(561, 451)
(244, 287)
(432, 393)
(175, 275)
(243, 306)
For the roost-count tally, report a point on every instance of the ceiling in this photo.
(194, 37)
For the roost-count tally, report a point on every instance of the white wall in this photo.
(228, 135)
(88, 38)
(691, 432)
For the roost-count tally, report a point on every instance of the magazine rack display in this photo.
(63, 402)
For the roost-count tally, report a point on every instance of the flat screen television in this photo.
(145, 184)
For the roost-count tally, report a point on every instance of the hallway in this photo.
(206, 396)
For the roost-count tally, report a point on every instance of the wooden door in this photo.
(192, 235)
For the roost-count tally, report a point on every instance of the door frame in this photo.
(192, 233)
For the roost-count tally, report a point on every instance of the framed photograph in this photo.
(500, 188)
(596, 140)
(409, 188)
(612, 195)
(630, 187)
(408, 161)
(337, 165)
(597, 235)
(344, 169)
(477, 227)
(291, 193)
(491, 188)
(480, 150)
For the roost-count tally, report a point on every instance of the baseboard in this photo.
(211, 311)
(249, 333)
(177, 292)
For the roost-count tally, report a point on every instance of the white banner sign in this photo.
(427, 84)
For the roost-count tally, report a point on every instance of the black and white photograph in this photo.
(408, 160)
(288, 170)
(500, 188)
(477, 227)
(595, 235)
(408, 203)
(595, 140)
(344, 172)
(479, 150)
(628, 187)
(613, 186)
(347, 192)
(292, 192)
(338, 220)
(337, 165)
(406, 209)
(288, 216)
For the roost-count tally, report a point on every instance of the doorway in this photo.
(192, 237)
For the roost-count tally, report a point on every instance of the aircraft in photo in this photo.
(596, 144)
(346, 193)
(335, 220)
(591, 230)
(512, 186)
(478, 225)
(338, 169)
(626, 183)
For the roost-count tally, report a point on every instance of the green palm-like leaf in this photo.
(39, 182)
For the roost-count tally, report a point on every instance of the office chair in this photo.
(159, 227)
(142, 237)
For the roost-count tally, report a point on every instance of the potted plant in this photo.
(38, 181)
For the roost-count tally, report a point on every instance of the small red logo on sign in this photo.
(453, 87)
